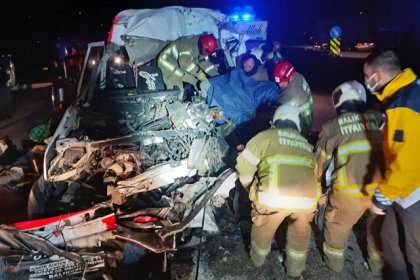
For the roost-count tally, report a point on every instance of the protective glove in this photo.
(201, 76)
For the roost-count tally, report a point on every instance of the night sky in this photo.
(89, 20)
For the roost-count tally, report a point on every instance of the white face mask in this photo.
(372, 89)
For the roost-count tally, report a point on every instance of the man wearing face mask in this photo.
(398, 194)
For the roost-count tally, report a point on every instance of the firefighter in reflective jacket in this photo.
(352, 144)
(187, 60)
(277, 166)
(294, 90)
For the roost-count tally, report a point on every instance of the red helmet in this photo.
(283, 72)
(208, 44)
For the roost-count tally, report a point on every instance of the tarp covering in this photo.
(240, 96)
(166, 24)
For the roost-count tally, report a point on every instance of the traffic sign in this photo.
(336, 32)
(335, 46)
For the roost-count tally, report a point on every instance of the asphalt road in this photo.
(30, 108)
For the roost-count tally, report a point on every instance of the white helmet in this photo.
(348, 94)
(258, 53)
(288, 112)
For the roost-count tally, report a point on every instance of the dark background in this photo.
(29, 28)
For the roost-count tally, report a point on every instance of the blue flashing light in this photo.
(248, 17)
(234, 17)
(242, 14)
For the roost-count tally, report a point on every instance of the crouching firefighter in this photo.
(295, 90)
(187, 60)
(277, 166)
(352, 143)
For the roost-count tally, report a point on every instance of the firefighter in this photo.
(187, 60)
(398, 194)
(294, 90)
(352, 144)
(277, 166)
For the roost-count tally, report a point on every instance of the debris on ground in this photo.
(224, 255)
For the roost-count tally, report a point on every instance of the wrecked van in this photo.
(132, 165)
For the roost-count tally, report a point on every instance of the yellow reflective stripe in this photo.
(166, 52)
(185, 53)
(342, 155)
(260, 251)
(191, 67)
(306, 106)
(174, 51)
(249, 156)
(342, 176)
(208, 69)
(273, 178)
(286, 160)
(318, 190)
(295, 254)
(253, 194)
(353, 147)
(178, 73)
(374, 254)
(323, 153)
(338, 253)
(166, 64)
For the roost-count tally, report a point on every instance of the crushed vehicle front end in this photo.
(125, 166)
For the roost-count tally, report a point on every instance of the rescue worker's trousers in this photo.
(402, 225)
(266, 220)
(341, 215)
(171, 82)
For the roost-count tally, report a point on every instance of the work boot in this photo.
(335, 264)
(258, 260)
(376, 267)
(334, 258)
(295, 265)
(294, 268)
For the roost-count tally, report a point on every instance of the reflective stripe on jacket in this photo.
(181, 60)
(353, 142)
(298, 94)
(279, 165)
(402, 139)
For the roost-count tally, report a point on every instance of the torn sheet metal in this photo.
(148, 239)
(178, 227)
(154, 178)
(79, 229)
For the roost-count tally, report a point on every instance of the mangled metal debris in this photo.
(124, 166)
